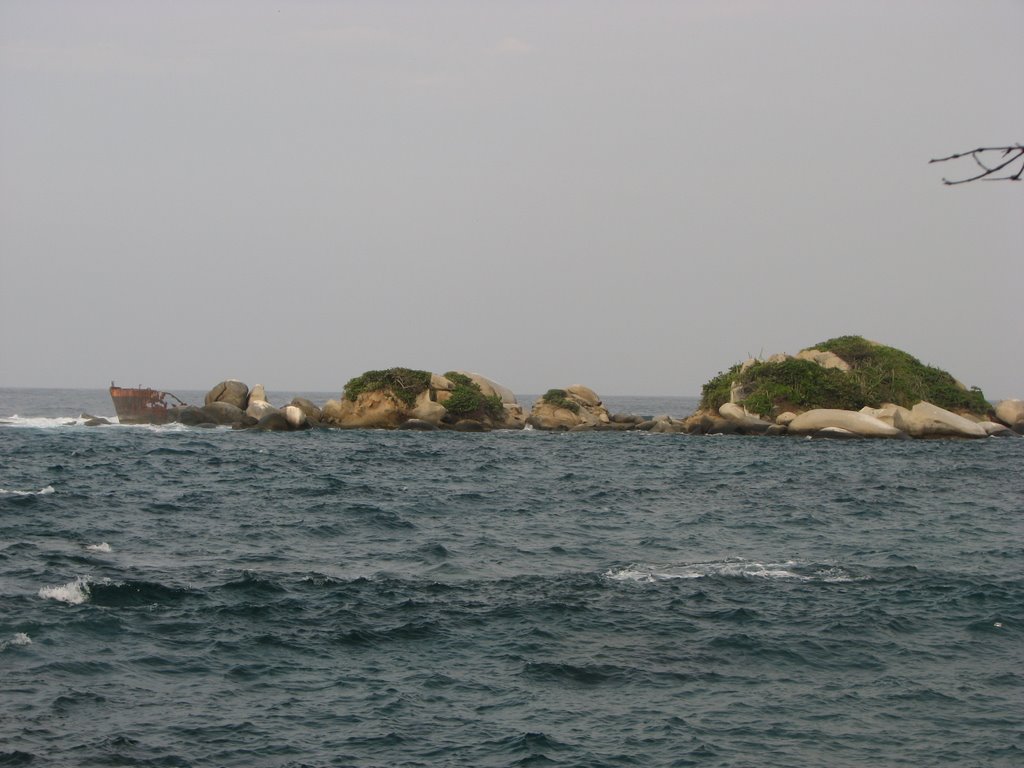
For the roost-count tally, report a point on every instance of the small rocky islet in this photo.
(847, 387)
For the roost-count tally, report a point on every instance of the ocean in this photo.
(174, 596)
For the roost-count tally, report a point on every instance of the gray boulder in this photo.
(220, 412)
(230, 391)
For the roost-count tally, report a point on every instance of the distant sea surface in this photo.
(175, 596)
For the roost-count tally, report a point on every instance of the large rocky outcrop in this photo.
(569, 408)
(456, 400)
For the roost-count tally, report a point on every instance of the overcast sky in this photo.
(629, 195)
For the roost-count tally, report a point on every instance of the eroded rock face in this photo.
(927, 420)
(224, 413)
(1011, 413)
(371, 410)
(230, 391)
(862, 424)
(582, 407)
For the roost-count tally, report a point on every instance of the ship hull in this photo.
(139, 405)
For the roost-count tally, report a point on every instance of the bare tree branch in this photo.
(1008, 157)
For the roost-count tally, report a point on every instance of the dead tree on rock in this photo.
(991, 161)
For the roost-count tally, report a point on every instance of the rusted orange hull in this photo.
(139, 406)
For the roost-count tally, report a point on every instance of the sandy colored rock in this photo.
(428, 410)
(585, 395)
(1010, 412)
(824, 359)
(785, 418)
(886, 413)
(589, 411)
(927, 420)
(745, 421)
(371, 410)
(859, 423)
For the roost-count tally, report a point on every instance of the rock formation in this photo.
(569, 408)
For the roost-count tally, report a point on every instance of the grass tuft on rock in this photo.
(878, 374)
(405, 384)
(560, 399)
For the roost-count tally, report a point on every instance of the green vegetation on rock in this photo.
(560, 399)
(878, 374)
(467, 400)
(405, 384)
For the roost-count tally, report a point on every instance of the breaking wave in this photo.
(73, 593)
(790, 570)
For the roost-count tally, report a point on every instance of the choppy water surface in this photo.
(175, 596)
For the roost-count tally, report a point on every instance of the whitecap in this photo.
(41, 492)
(73, 593)
(19, 639)
(746, 569)
(790, 570)
(101, 547)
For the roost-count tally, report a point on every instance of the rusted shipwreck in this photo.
(141, 405)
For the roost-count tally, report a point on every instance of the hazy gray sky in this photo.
(629, 195)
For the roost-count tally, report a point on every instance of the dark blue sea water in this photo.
(194, 597)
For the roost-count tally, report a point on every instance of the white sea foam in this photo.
(101, 547)
(742, 569)
(73, 593)
(19, 639)
(41, 492)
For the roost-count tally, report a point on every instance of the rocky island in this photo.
(846, 387)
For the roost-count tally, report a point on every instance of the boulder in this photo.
(1011, 413)
(274, 421)
(585, 395)
(746, 422)
(230, 391)
(294, 416)
(259, 408)
(784, 418)
(515, 417)
(994, 429)
(192, 416)
(489, 387)
(470, 425)
(313, 413)
(417, 425)
(824, 359)
(96, 421)
(861, 424)
(257, 395)
(927, 420)
(579, 406)
(836, 433)
(886, 413)
(428, 410)
(370, 410)
(220, 412)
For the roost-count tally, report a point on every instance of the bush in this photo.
(467, 400)
(560, 399)
(405, 384)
